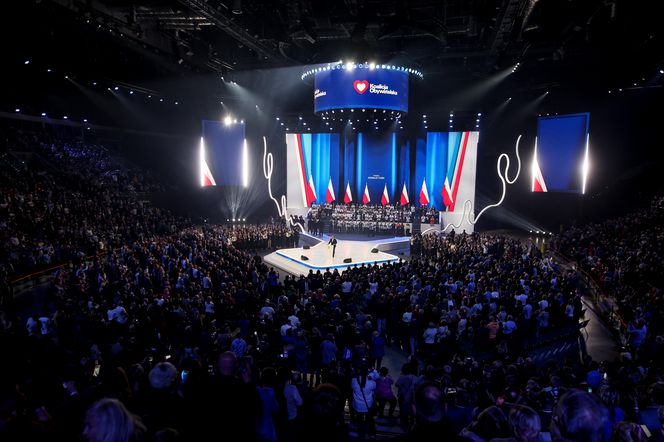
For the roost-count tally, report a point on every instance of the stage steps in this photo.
(416, 227)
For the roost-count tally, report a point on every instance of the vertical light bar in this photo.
(586, 165)
(201, 162)
(245, 164)
(533, 168)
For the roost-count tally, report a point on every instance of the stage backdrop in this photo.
(312, 161)
(223, 154)
(376, 161)
(560, 154)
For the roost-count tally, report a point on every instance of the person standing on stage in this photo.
(333, 243)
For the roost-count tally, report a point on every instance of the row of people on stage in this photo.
(369, 227)
(370, 219)
(387, 213)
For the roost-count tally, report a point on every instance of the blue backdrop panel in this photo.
(223, 146)
(376, 164)
(321, 161)
(435, 159)
(403, 167)
(420, 164)
(561, 143)
(361, 88)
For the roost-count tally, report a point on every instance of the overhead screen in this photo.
(223, 156)
(560, 160)
(361, 88)
(377, 164)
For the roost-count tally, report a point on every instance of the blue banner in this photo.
(223, 151)
(361, 88)
(561, 144)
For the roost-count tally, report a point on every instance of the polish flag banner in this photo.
(365, 195)
(329, 196)
(447, 194)
(424, 194)
(404, 196)
(385, 198)
(348, 197)
(312, 187)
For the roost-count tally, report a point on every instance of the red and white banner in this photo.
(424, 194)
(385, 198)
(347, 196)
(404, 196)
(207, 179)
(312, 187)
(447, 194)
(365, 195)
(329, 196)
(538, 180)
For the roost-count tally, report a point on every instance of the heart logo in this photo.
(361, 86)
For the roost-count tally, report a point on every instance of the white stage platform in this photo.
(320, 254)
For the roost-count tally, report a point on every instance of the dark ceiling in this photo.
(167, 58)
(179, 49)
(226, 35)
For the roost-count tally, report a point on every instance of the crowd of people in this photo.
(623, 255)
(173, 331)
(368, 218)
(80, 202)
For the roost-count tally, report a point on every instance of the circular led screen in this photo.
(361, 86)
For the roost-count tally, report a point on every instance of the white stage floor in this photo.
(320, 255)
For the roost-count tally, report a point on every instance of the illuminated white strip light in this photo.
(245, 164)
(586, 166)
(536, 173)
(268, 167)
(201, 162)
(370, 66)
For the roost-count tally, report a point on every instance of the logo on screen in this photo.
(361, 86)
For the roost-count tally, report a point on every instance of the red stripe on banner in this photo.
(457, 178)
(307, 191)
(302, 171)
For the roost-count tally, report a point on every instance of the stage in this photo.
(319, 254)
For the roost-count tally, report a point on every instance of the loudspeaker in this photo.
(304, 258)
(348, 260)
(374, 250)
(305, 247)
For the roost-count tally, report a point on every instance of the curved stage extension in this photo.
(320, 254)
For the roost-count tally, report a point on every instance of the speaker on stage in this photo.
(348, 260)
(305, 247)
(304, 258)
(374, 250)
